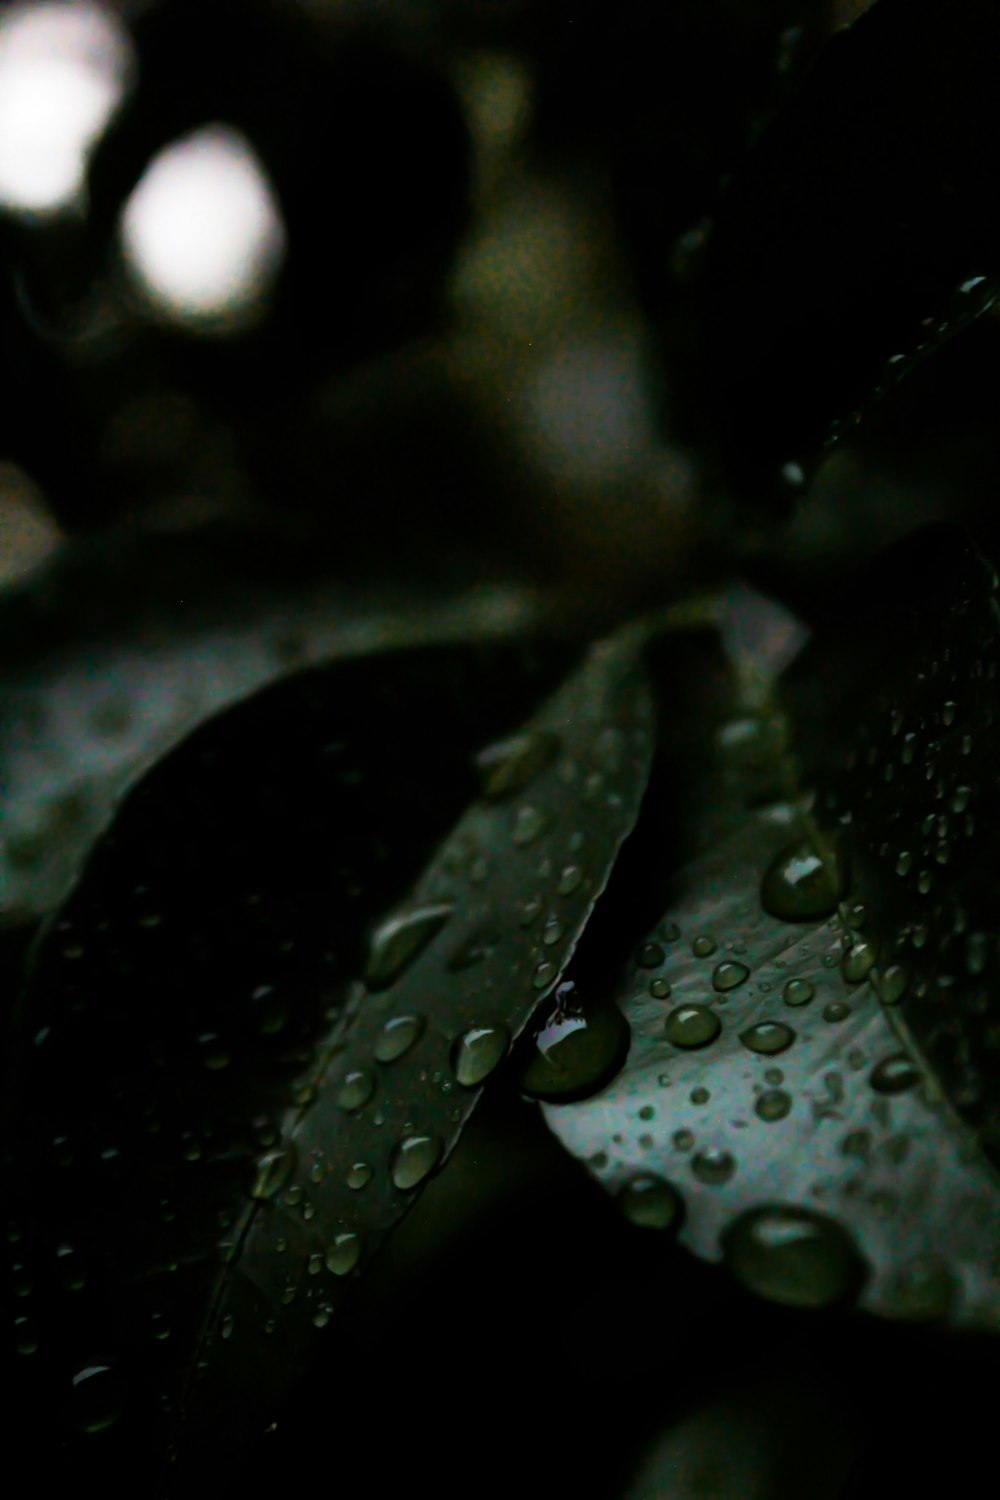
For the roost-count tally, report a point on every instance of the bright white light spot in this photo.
(64, 68)
(202, 233)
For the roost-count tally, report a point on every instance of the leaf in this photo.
(185, 1022)
(770, 1105)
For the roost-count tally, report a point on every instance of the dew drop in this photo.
(397, 1037)
(713, 1166)
(773, 1104)
(570, 880)
(894, 1075)
(892, 984)
(356, 1089)
(551, 933)
(729, 976)
(768, 1038)
(398, 941)
(344, 1254)
(700, 1096)
(650, 956)
(793, 1256)
(692, 1026)
(414, 1159)
(977, 953)
(477, 1053)
(95, 1403)
(836, 1011)
(704, 946)
(360, 1175)
(857, 962)
(511, 765)
(579, 1049)
(683, 1139)
(801, 884)
(651, 1203)
(797, 992)
(272, 1170)
(530, 911)
(529, 825)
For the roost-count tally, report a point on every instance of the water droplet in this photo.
(511, 765)
(344, 1254)
(659, 989)
(703, 947)
(650, 956)
(961, 797)
(793, 1256)
(360, 1175)
(713, 1166)
(729, 976)
(529, 825)
(892, 985)
(578, 1050)
(478, 1052)
(977, 952)
(651, 1203)
(474, 950)
(797, 992)
(773, 1076)
(948, 713)
(356, 1089)
(700, 1096)
(802, 884)
(530, 911)
(544, 973)
(692, 1026)
(857, 962)
(570, 880)
(894, 1075)
(226, 1327)
(683, 1139)
(272, 1170)
(551, 933)
(397, 1037)
(414, 1159)
(95, 1403)
(773, 1104)
(768, 1038)
(397, 942)
(836, 1011)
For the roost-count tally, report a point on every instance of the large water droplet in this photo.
(344, 1254)
(414, 1159)
(580, 1049)
(797, 992)
(397, 1037)
(857, 962)
(651, 1203)
(894, 1075)
(803, 883)
(509, 766)
(356, 1089)
(729, 976)
(478, 1052)
(272, 1170)
(692, 1026)
(398, 940)
(768, 1038)
(793, 1255)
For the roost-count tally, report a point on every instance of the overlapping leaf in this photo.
(191, 1107)
(815, 1007)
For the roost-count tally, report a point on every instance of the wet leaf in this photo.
(816, 1020)
(196, 1120)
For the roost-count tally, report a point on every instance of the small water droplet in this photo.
(773, 1104)
(797, 992)
(511, 765)
(356, 1089)
(683, 1139)
(894, 1075)
(704, 946)
(272, 1170)
(397, 1037)
(836, 1011)
(977, 952)
(768, 1038)
(570, 880)
(322, 1315)
(700, 1096)
(713, 1165)
(529, 825)
(578, 1050)
(857, 962)
(651, 1203)
(414, 1159)
(650, 956)
(344, 1254)
(478, 1052)
(793, 1256)
(948, 712)
(551, 933)
(803, 883)
(399, 940)
(530, 911)
(95, 1403)
(226, 1327)
(692, 1026)
(729, 976)
(360, 1175)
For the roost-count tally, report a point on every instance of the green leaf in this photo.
(182, 1112)
(804, 1019)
